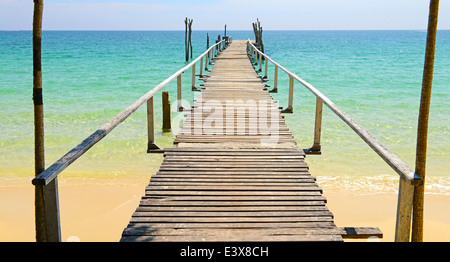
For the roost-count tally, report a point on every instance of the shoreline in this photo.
(96, 212)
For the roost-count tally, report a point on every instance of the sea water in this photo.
(91, 76)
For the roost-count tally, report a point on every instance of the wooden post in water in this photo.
(46, 196)
(422, 130)
(186, 47)
(166, 127)
(187, 37)
(190, 35)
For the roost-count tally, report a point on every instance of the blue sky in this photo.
(211, 15)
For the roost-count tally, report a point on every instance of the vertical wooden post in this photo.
(166, 127)
(186, 46)
(152, 147)
(190, 35)
(201, 67)
(275, 81)
(48, 228)
(266, 68)
(404, 208)
(210, 58)
(207, 62)
(46, 197)
(315, 149)
(422, 130)
(260, 62)
(194, 88)
(290, 108)
(179, 98)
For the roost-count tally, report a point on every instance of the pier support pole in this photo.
(422, 130)
(46, 196)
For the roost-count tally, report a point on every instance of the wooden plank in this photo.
(237, 198)
(239, 225)
(220, 203)
(296, 238)
(360, 232)
(316, 191)
(212, 208)
(163, 219)
(233, 214)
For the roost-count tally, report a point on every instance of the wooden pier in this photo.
(235, 172)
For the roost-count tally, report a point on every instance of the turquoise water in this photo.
(89, 77)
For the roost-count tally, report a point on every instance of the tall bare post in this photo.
(46, 196)
(186, 46)
(190, 35)
(422, 130)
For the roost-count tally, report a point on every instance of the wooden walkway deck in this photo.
(226, 181)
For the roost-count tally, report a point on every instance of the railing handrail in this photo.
(56, 168)
(390, 158)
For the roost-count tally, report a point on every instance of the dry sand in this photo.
(95, 212)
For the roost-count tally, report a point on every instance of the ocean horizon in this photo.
(90, 76)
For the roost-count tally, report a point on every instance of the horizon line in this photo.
(244, 30)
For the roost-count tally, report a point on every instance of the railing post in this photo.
(315, 149)
(201, 67)
(206, 62)
(290, 109)
(275, 81)
(166, 127)
(265, 70)
(46, 196)
(260, 62)
(404, 211)
(48, 227)
(194, 88)
(152, 147)
(179, 98)
(210, 58)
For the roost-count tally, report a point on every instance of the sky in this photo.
(214, 14)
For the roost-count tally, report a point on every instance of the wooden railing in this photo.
(47, 211)
(408, 179)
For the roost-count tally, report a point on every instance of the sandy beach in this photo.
(98, 212)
